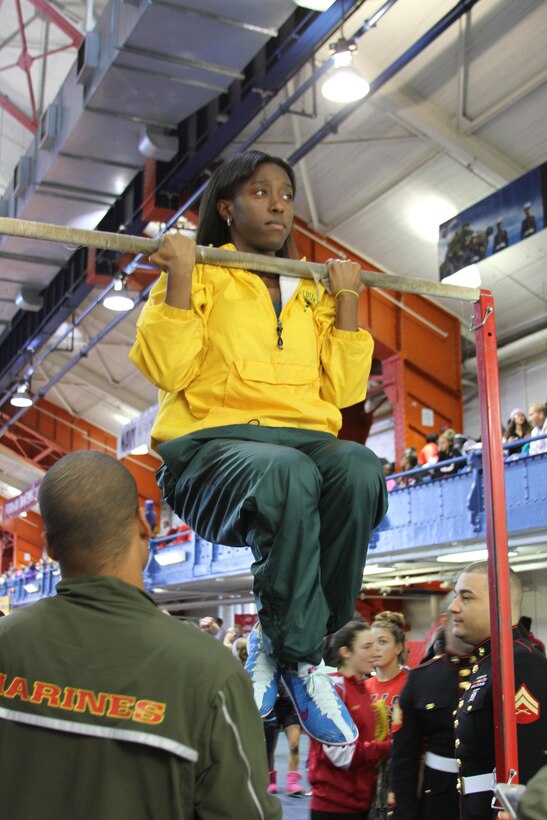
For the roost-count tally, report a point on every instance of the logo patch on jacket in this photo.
(526, 706)
(309, 297)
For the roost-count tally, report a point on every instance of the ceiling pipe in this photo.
(523, 348)
(420, 45)
(286, 106)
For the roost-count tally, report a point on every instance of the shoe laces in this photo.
(321, 690)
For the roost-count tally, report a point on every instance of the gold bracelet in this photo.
(345, 290)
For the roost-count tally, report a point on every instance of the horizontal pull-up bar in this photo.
(216, 256)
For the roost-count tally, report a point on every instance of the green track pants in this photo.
(304, 502)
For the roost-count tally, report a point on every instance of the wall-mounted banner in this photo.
(22, 502)
(136, 432)
(500, 221)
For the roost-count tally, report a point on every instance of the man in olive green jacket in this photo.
(108, 709)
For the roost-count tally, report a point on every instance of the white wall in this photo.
(420, 613)
(521, 384)
(535, 601)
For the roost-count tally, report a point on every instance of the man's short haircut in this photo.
(88, 502)
(481, 568)
(539, 407)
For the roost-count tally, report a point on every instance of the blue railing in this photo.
(438, 510)
(29, 585)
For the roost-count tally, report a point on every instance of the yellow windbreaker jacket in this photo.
(219, 363)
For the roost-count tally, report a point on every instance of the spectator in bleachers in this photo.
(409, 461)
(447, 450)
(538, 419)
(429, 452)
(389, 469)
(517, 428)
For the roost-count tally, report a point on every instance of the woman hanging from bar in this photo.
(252, 370)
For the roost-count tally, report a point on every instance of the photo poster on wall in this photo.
(506, 217)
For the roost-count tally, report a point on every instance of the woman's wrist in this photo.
(344, 293)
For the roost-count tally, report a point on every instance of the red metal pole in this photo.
(503, 674)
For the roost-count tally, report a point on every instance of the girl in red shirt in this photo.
(390, 653)
(343, 778)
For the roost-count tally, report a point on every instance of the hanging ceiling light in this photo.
(22, 397)
(120, 299)
(345, 84)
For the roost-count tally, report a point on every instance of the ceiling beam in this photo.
(429, 120)
(85, 375)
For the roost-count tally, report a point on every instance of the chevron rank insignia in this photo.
(526, 706)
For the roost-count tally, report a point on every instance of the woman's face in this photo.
(385, 648)
(261, 211)
(519, 419)
(444, 444)
(360, 658)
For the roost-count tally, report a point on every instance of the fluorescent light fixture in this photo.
(469, 277)
(30, 587)
(426, 213)
(314, 5)
(22, 397)
(166, 558)
(119, 300)
(345, 84)
(141, 450)
(377, 569)
(467, 557)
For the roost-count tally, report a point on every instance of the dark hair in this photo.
(394, 622)
(432, 438)
(224, 183)
(511, 429)
(345, 636)
(88, 502)
(410, 455)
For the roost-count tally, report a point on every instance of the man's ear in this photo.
(145, 534)
(143, 526)
(224, 207)
(47, 546)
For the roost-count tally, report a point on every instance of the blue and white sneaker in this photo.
(263, 670)
(320, 709)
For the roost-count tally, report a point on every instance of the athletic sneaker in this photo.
(263, 670)
(320, 709)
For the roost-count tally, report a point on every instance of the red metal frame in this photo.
(57, 19)
(503, 675)
(25, 59)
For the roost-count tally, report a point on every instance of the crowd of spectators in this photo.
(28, 572)
(441, 448)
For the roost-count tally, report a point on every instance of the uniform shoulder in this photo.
(24, 616)
(436, 659)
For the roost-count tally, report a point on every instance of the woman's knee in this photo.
(288, 473)
(354, 464)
